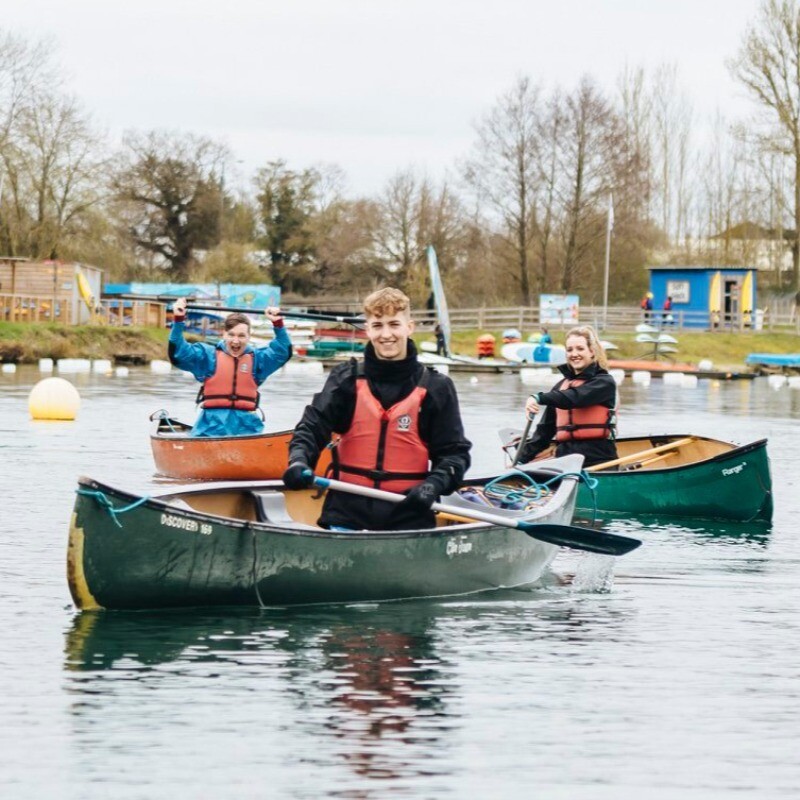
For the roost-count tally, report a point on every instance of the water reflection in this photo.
(376, 689)
(368, 677)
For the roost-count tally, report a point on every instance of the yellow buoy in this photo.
(54, 398)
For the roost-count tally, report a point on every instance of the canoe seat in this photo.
(271, 508)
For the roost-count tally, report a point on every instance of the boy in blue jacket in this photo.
(231, 371)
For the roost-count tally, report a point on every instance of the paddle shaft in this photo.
(192, 306)
(287, 314)
(639, 455)
(562, 535)
(525, 433)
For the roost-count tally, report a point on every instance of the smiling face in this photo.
(389, 334)
(236, 339)
(579, 354)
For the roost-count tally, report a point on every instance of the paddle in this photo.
(640, 454)
(287, 314)
(192, 306)
(591, 541)
(525, 433)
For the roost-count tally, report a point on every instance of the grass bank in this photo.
(26, 343)
(726, 350)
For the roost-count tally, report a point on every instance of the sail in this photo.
(442, 314)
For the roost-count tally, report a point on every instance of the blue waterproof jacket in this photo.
(200, 359)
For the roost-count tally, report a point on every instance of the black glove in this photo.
(420, 498)
(294, 478)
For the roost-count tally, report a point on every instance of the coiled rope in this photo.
(103, 501)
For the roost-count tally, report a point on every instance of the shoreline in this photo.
(26, 343)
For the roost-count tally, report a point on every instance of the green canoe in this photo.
(682, 476)
(253, 544)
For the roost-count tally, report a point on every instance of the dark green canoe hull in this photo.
(735, 485)
(166, 556)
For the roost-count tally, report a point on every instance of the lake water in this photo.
(675, 675)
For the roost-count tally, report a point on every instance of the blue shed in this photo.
(706, 297)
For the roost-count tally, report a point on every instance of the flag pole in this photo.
(609, 227)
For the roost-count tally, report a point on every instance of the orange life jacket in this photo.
(232, 385)
(590, 422)
(379, 436)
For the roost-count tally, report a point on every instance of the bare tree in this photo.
(505, 174)
(591, 134)
(169, 196)
(768, 66)
(61, 167)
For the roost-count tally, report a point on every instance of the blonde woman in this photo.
(580, 410)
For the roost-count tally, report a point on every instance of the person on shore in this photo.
(580, 410)
(441, 342)
(400, 428)
(231, 371)
(666, 313)
(545, 337)
(647, 306)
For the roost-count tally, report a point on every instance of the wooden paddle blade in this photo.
(577, 538)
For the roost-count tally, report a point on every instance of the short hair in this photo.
(386, 302)
(588, 333)
(232, 320)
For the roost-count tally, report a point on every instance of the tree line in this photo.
(524, 211)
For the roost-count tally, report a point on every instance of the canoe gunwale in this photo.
(161, 503)
(735, 452)
(154, 561)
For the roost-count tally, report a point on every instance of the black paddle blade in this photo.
(592, 541)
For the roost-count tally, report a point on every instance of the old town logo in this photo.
(404, 422)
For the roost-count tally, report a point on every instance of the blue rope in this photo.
(103, 501)
(509, 496)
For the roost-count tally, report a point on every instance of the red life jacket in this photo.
(590, 422)
(232, 385)
(379, 436)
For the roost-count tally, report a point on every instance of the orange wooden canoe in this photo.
(263, 456)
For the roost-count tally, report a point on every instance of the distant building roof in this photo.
(750, 231)
(700, 267)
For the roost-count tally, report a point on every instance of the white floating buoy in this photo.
(45, 365)
(121, 372)
(473, 379)
(54, 398)
(706, 365)
(776, 381)
(160, 367)
(641, 377)
(618, 375)
(689, 381)
(673, 378)
(9, 368)
(794, 382)
(74, 365)
(102, 365)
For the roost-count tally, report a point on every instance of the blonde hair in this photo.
(587, 332)
(387, 302)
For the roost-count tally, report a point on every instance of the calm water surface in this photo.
(674, 672)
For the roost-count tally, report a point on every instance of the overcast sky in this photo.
(372, 85)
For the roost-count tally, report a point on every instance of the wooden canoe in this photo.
(263, 456)
(254, 544)
(680, 475)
